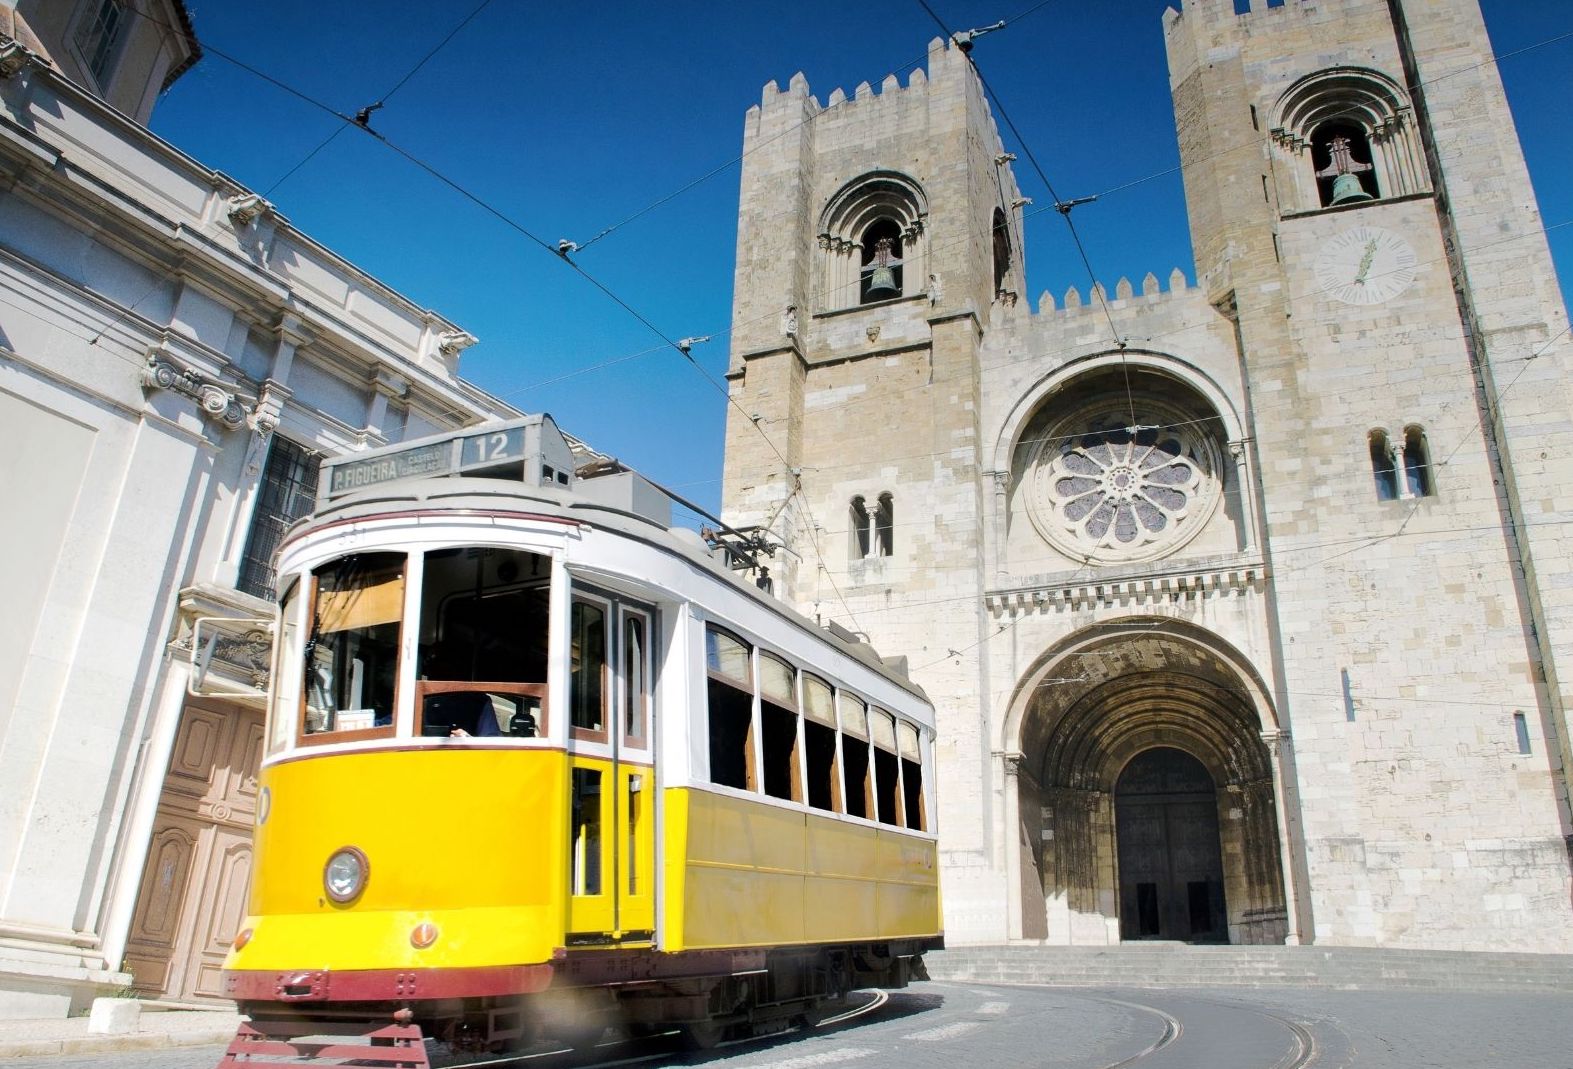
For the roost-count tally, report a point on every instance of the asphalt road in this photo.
(967, 1026)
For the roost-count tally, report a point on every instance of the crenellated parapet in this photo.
(1073, 304)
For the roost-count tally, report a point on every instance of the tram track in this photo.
(1192, 1033)
(1302, 1051)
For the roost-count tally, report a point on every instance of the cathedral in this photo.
(1242, 596)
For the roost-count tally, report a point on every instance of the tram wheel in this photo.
(702, 1035)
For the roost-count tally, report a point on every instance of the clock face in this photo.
(1365, 265)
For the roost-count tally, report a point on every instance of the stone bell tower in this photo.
(1361, 211)
(878, 233)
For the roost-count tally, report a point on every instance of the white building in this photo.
(174, 359)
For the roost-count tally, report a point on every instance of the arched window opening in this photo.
(1345, 135)
(881, 278)
(873, 236)
(857, 524)
(1001, 249)
(1417, 464)
(1383, 468)
(1341, 155)
(884, 526)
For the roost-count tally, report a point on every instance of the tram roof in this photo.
(453, 472)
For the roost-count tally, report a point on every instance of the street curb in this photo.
(23, 1048)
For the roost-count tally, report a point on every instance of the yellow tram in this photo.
(538, 763)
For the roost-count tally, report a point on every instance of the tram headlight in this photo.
(344, 876)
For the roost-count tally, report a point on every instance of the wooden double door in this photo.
(193, 893)
(1171, 864)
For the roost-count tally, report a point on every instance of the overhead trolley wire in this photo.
(381, 101)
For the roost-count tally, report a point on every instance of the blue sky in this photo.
(573, 117)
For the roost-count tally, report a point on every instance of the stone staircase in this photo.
(1149, 965)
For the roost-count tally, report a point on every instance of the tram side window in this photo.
(587, 694)
(819, 742)
(585, 816)
(778, 727)
(854, 756)
(911, 776)
(352, 656)
(730, 696)
(887, 776)
(636, 678)
(485, 616)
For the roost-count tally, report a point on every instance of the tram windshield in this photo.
(480, 644)
(485, 616)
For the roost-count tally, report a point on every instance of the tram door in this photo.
(612, 794)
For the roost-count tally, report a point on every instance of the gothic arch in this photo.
(1359, 102)
(889, 203)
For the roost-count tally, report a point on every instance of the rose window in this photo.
(1114, 488)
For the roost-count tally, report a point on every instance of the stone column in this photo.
(999, 519)
(1010, 767)
(1242, 482)
(1401, 471)
(1276, 741)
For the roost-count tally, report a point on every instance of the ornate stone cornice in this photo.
(216, 401)
(1126, 588)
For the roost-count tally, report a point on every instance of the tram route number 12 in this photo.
(494, 446)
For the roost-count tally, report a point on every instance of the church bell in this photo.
(1347, 189)
(882, 280)
(882, 283)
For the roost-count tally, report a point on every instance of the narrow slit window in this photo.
(1001, 231)
(854, 757)
(1383, 466)
(885, 526)
(730, 694)
(819, 744)
(1521, 731)
(778, 728)
(857, 527)
(887, 767)
(1417, 464)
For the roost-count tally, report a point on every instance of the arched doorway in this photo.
(1170, 860)
(1146, 759)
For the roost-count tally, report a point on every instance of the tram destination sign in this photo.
(449, 456)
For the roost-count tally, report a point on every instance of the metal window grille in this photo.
(99, 37)
(289, 486)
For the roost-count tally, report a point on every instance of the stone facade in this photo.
(1294, 520)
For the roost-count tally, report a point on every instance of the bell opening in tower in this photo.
(1341, 156)
(882, 275)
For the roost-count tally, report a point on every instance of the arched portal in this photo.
(1170, 864)
(1143, 761)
